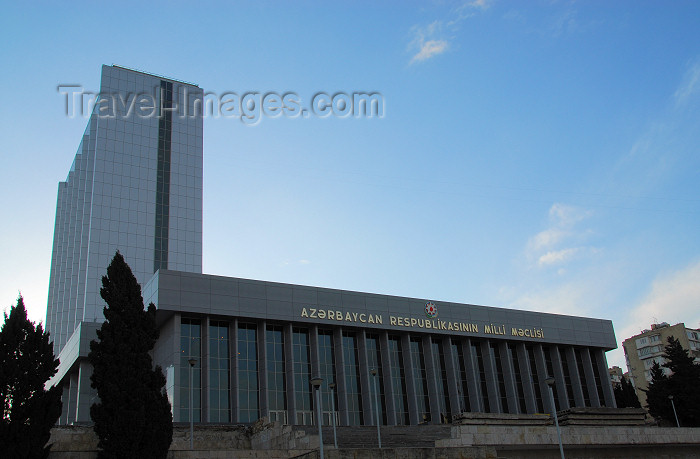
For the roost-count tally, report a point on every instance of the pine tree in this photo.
(28, 409)
(682, 384)
(133, 417)
(657, 394)
(625, 396)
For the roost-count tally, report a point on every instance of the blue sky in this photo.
(540, 155)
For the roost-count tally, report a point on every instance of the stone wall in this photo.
(488, 435)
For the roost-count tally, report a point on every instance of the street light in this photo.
(192, 363)
(373, 371)
(316, 382)
(550, 382)
(670, 397)
(335, 436)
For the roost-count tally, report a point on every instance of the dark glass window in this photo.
(567, 380)
(190, 348)
(398, 380)
(352, 379)
(276, 381)
(162, 214)
(441, 376)
(302, 376)
(582, 377)
(501, 386)
(483, 388)
(550, 372)
(420, 380)
(219, 372)
(248, 373)
(518, 377)
(326, 361)
(598, 378)
(461, 370)
(535, 377)
(374, 361)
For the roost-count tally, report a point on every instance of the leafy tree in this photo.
(682, 383)
(133, 417)
(625, 395)
(28, 409)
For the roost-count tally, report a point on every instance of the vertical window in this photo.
(567, 380)
(165, 128)
(501, 386)
(420, 380)
(398, 380)
(374, 360)
(352, 379)
(248, 373)
(598, 378)
(302, 376)
(582, 377)
(535, 377)
(190, 348)
(461, 370)
(219, 372)
(326, 361)
(550, 372)
(476, 350)
(276, 382)
(441, 380)
(518, 377)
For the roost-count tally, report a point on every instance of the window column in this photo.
(508, 378)
(387, 372)
(410, 363)
(341, 392)
(262, 371)
(472, 369)
(590, 378)
(527, 378)
(561, 393)
(494, 398)
(453, 378)
(602, 374)
(432, 376)
(570, 357)
(365, 381)
(542, 374)
(290, 363)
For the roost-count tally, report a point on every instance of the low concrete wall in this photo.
(487, 435)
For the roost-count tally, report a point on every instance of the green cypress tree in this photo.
(625, 396)
(28, 409)
(657, 394)
(133, 417)
(683, 383)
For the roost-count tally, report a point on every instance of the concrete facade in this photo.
(468, 357)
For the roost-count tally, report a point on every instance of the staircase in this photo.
(421, 436)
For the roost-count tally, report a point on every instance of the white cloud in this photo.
(547, 238)
(546, 246)
(429, 49)
(690, 85)
(434, 39)
(566, 216)
(558, 256)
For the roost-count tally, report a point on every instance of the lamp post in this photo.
(670, 397)
(316, 382)
(550, 382)
(373, 371)
(335, 436)
(192, 363)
